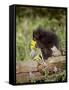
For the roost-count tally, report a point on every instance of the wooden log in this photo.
(26, 77)
(26, 66)
(30, 71)
(53, 64)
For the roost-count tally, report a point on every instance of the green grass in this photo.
(24, 30)
(28, 19)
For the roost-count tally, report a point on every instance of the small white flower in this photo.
(55, 69)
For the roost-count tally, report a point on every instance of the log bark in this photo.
(28, 71)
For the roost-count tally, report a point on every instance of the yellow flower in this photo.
(38, 57)
(33, 44)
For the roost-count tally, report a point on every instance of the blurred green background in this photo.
(30, 18)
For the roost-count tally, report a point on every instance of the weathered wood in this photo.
(26, 66)
(28, 77)
(28, 71)
(53, 64)
(56, 59)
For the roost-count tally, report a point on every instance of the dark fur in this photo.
(45, 41)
